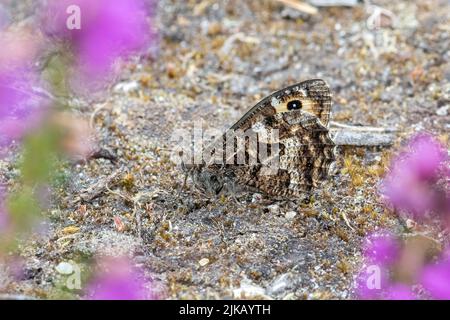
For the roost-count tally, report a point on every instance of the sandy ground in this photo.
(215, 60)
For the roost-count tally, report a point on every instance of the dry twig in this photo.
(95, 190)
(345, 135)
(300, 6)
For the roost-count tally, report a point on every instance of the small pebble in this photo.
(280, 284)
(274, 208)
(410, 224)
(442, 111)
(127, 86)
(203, 262)
(256, 197)
(64, 268)
(290, 215)
(248, 290)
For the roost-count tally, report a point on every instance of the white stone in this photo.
(290, 215)
(274, 208)
(127, 86)
(257, 197)
(280, 284)
(248, 290)
(442, 111)
(64, 268)
(203, 262)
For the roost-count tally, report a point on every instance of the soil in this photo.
(215, 60)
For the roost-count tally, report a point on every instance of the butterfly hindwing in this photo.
(296, 118)
(300, 113)
(306, 153)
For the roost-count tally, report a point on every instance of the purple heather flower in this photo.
(436, 278)
(410, 185)
(372, 282)
(381, 249)
(400, 291)
(16, 267)
(117, 279)
(108, 30)
(20, 108)
(426, 157)
(4, 17)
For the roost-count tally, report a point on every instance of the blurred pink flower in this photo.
(77, 137)
(436, 279)
(15, 266)
(109, 30)
(20, 108)
(4, 17)
(400, 291)
(372, 282)
(410, 185)
(117, 279)
(381, 249)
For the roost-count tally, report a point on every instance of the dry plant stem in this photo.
(240, 36)
(300, 6)
(337, 125)
(96, 111)
(96, 189)
(347, 222)
(334, 3)
(136, 214)
(346, 135)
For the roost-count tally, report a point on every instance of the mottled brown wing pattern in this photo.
(314, 95)
(301, 114)
(306, 156)
(306, 149)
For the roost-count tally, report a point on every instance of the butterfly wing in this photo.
(300, 114)
(314, 96)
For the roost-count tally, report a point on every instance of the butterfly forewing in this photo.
(314, 96)
(301, 150)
